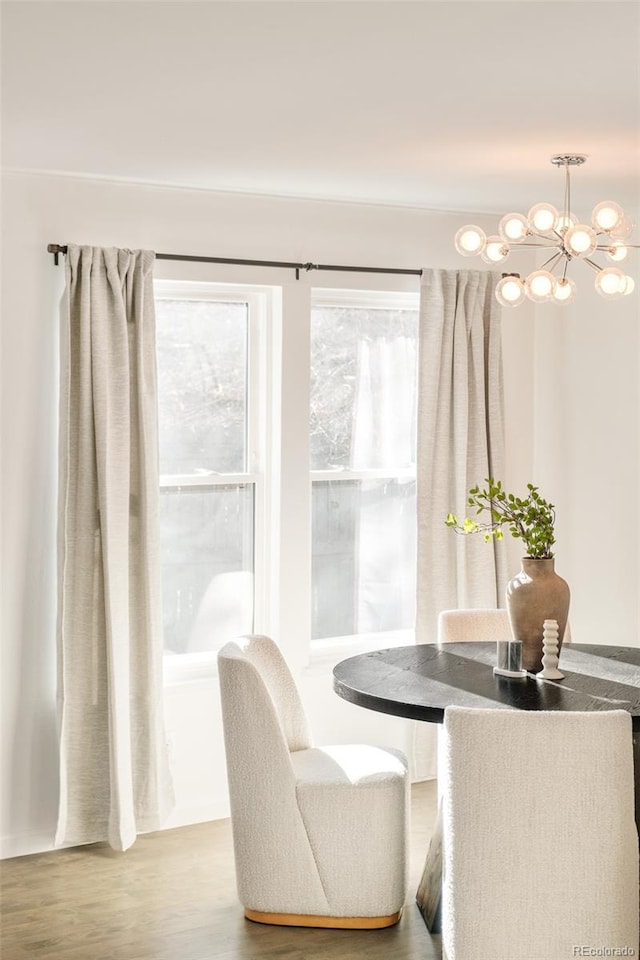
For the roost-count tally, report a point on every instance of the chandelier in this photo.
(565, 237)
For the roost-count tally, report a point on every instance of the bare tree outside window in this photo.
(202, 386)
(338, 335)
(206, 525)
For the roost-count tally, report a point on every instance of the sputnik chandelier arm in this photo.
(566, 239)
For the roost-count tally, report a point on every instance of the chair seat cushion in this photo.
(353, 800)
(348, 764)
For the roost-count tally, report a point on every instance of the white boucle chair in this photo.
(463, 626)
(540, 844)
(319, 833)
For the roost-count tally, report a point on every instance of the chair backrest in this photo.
(462, 626)
(256, 661)
(264, 721)
(539, 809)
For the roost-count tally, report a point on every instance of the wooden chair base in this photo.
(429, 894)
(308, 920)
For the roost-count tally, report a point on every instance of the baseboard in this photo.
(200, 813)
(23, 845)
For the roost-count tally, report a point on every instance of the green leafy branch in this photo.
(530, 519)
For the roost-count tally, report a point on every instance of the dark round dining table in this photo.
(421, 680)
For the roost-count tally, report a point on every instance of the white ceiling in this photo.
(448, 105)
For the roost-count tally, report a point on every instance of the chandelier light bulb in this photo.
(470, 240)
(539, 285)
(513, 227)
(611, 283)
(564, 222)
(563, 290)
(617, 251)
(629, 285)
(580, 240)
(495, 251)
(622, 229)
(542, 217)
(510, 291)
(607, 215)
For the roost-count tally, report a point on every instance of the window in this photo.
(248, 543)
(210, 380)
(363, 452)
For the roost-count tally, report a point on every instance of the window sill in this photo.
(326, 653)
(189, 667)
(323, 656)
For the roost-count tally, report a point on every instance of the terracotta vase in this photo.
(534, 595)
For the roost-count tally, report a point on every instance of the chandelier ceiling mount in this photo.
(568, 159)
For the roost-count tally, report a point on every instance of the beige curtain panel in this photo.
(460, 442)
(114, 775)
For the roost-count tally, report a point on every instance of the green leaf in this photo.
(530, 519)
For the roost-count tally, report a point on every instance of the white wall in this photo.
(586, 455)
(42, 209)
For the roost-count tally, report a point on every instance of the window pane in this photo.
(207, 565)
(202, 385)
(363, 556)
(363, 387)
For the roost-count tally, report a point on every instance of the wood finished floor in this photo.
(172, 897)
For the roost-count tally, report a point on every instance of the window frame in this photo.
(323, 651)
(279, 335)
(260, 302)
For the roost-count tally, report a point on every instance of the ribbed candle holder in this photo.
(550, 634)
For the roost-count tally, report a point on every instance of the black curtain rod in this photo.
(56, 249)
